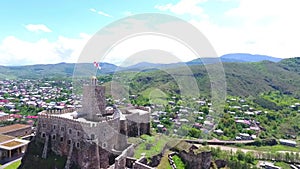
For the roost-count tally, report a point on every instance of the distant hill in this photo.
(50, 70)
(67, 69)
(235, 58)
(245, 57)
(243, 79)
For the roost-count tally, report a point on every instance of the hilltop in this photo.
(242, 79)
(62, 70)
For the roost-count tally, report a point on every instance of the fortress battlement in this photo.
(90, 131)
(53, 118)
(59, 111)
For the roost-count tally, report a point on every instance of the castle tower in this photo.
(93, 102)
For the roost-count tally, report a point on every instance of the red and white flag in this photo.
(97, 65)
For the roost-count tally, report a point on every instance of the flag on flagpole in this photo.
(97, 65)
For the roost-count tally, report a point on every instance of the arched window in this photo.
(69, 142)
(92, 136)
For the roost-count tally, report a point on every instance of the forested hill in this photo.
(60, 70)
(66, 69)
(243, 79)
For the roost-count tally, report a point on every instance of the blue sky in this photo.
(66, 17)
(34, 31)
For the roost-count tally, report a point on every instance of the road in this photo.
(216, 141)
(233, 149)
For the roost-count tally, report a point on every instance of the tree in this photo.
(249, 158)
(287, 157)
(240, 155)
(193, 132)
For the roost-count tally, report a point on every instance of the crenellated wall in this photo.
(98, 142)
(59, 111)
(63, 132)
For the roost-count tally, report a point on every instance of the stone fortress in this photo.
(94, 136)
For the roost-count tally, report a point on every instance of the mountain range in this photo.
(242, 79)
(246, 74)
(66, 69)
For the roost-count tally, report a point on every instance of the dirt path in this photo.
(234, 149)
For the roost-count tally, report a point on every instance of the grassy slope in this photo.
(13, 165)
(164, 163)
(151, 145)
(178, 162)
(243, 79)
(283, 165)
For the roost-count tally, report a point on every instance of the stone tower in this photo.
(93, 101)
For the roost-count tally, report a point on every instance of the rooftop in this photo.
(13, 143)
(4, 138)
(13, 127)
(287, 141)
(141, 112)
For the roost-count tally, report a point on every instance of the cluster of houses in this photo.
(36, 93)
(15, 96)
(238, 109)
(184, 116)
(201, 120)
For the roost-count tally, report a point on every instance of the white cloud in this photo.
(259, 27)
(14, 51)
(190, 7)
(100, 13)
(93, 10)
(127, 52)
(37, 28)
(104, 14)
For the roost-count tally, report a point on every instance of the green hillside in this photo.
(60, 70)
(242, 79)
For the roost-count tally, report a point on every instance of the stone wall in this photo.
(139, 165)
(121, 162)
(221, 163)
(95, 102)
(196, 161)
(138, 124)
(64, 132)
(98, 142)
(58, 111)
